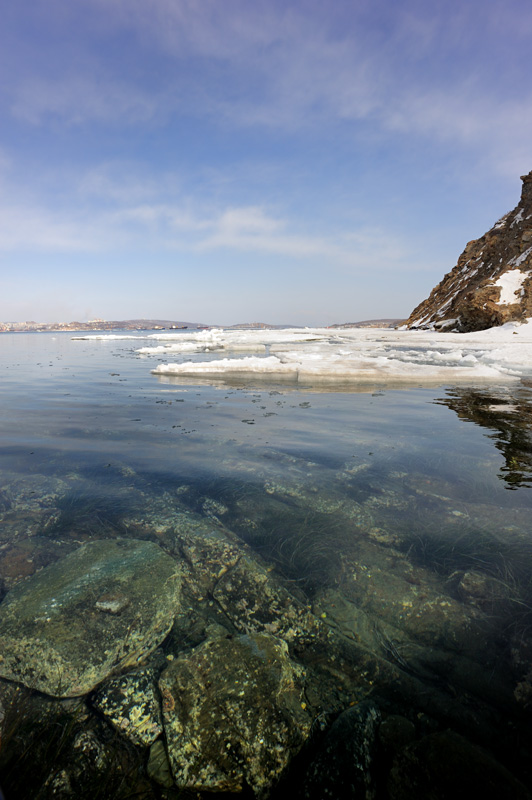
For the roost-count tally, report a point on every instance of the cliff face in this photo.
(492, 281)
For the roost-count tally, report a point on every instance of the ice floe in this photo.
(104, 336)
(355, 355)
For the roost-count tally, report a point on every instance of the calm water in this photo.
(90, 410)
(92, 444)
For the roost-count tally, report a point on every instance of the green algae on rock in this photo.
(104, 607)
(254, 600)
(131, 703)
(233, 714)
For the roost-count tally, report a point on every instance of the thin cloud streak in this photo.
(164, 227)
(347, 139)
(78, 100)
(289, 70)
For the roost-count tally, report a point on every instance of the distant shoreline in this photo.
(171, 325)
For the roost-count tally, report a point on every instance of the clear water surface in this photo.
(314, 481)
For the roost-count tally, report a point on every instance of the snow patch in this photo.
(518, 260)
(518, 217)
(501, 222)
(510, 283)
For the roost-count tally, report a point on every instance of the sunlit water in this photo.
(90, 411)
(91, 442)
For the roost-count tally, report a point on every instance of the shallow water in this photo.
(94, 445)
(87, 430)
(94, 409)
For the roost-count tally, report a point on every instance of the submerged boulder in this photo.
(443, 765)
(233, 715)
(342, 766)
(241, 585)
(131, 703)
(104, 607)
(408, 616)
(254, 601)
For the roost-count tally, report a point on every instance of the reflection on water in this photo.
(362, 544)
(507, 415)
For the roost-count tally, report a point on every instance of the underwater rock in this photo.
(55, 638)
(347, 618)
(5, 501)
(26, 522)
(254, 601)
(56, 749)
(480, 590)
(94, 764)
(131, 704)
(443, 765)
(26, 555)
(166, 516)
(342, 767)
(243, 588)
(87, 749)
(208, 554)
(158, 767)
(395, 732)
(478, 670)
(30, 492)
(213, 508)
(312, 498)
(233, 715)
(28, 505)
(414, 600)
(523, 690)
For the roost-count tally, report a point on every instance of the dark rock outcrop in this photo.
(342, 767)
(444, 765)
(492, 281)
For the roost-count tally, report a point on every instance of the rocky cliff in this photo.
(492, 281)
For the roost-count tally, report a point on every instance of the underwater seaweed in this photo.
(89, 513)
(306, 547)
(54, 749)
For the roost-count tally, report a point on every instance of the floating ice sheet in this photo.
(104, 336)
(358, 355)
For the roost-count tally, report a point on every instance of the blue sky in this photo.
(225, 161)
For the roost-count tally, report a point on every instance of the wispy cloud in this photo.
(186, 227)
(413, 69)
(226, 128)
(36, 229)
(76, 100)
(498, 134)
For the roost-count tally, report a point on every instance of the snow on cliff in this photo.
(491, 283)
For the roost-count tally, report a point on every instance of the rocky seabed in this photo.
(174, 661)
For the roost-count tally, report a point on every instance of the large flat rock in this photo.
(104, 607)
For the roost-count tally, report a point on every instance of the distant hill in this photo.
(371, 323)
(101, 325)
(492, 282)
(259, 326)
(168, 324)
